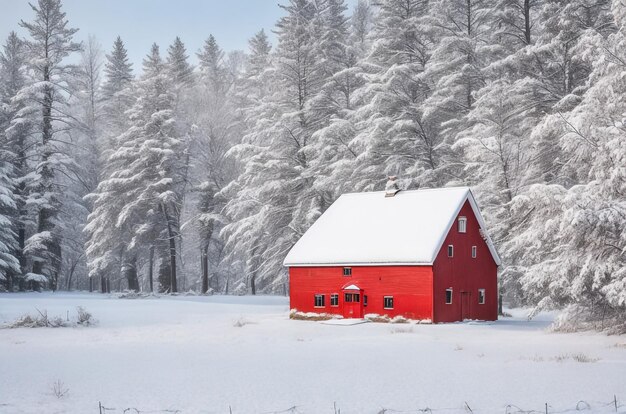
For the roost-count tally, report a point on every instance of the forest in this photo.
(173, 177)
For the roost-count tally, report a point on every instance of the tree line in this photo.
(177, 177)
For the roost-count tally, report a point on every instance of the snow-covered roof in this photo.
(352, 287)
(369, 229)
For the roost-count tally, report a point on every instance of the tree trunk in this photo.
(527, 33)
(130, 271)
(204, 259)
(151, 269)
(47, 214)
(172, 249)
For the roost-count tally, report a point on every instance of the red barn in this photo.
(420, 254)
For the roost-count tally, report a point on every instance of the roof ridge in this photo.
(416, 190)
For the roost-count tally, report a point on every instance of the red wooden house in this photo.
(420, 254)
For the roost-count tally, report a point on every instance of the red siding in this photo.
(419, 292)
(410, 286)
(464, 274)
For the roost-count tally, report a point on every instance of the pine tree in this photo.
(116, 92)
(212, 71)
(582, 264)
(217, 128)
(9, 264)
(153, 193)
(392, 134)
(273, 200)
(464, 49)
(50, 42)
(15, 143)
(180, 71)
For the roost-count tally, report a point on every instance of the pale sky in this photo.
(142, 22)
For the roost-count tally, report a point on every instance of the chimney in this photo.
(391, 189)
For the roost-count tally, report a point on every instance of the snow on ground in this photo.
(206, 354)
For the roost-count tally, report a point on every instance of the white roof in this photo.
(369, 229)
(352, 287)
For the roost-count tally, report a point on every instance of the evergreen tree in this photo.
(50, 42)
(181, 72)
(116, 93)
(582, 262)
(15, 143)
(212, 71)
(273, 200)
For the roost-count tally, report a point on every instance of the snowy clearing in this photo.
(212, 354)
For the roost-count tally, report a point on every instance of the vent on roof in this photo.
(392, 188)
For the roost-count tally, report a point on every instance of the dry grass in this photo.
(401, 329)
(377, 318)
(306, 317)
(59, 389)
(42, 320)
(579, 357)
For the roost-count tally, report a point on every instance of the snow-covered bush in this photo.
(42, 320)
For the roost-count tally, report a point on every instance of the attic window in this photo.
(450, 250)
(347, 271)
(462, 224)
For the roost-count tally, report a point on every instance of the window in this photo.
(352, 297)
(388, 302)
(319, 301)
(481, 296)
(449, 296)
(364, 300)
(473, 252)
(334, 299)
(462, 224)
(450, 250)
(347, 271)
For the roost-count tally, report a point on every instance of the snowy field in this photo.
(215, 354)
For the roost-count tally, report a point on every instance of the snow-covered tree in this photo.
(583, 264)
(14, 147)
(273, 202)
(9, 264)
(50, 42)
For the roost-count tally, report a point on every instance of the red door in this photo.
(465, 305)
(352, 304)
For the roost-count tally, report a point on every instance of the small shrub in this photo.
(59, 389)
(584, 358)
(84, 318)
